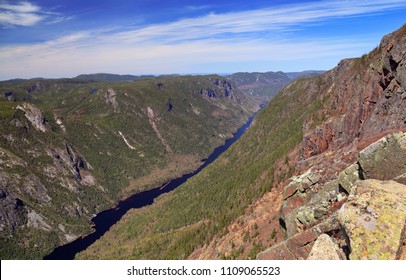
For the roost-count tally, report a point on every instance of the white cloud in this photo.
(63, 57)
(252, 22)
(189, 45)
(23, 7)
(23, 14)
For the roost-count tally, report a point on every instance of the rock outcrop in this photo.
(324, 249)
(34, 115)
(365, 208)
(12, 212)
(373, 218)
(223, 89)
(110, 98)
(355, 145)
(384, 159)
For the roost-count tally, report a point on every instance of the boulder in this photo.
(296, 195)
(348, 177)
(324, 248)
(299, 246)
(373, 219)
(384, 159)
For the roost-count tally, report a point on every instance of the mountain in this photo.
(70, 148)
(112, 77)
(320, 174)
(260, 86)
(304, 74)
(263, 86)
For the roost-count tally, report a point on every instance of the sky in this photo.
(65, 38)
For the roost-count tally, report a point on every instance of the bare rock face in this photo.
(225, 87)
(324, 249)
(295, 195)
(299, 246)
(318, 141)
(12, 212)
(33, 186)
(110, 98)
(36, 220)
(384, 159)
(348, 177)
(365, 97)
(222, 89)
(357, 140)
(34, 115)
(373, 219)
(363, 218)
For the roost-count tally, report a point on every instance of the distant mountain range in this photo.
(263, 86)
(112, 77)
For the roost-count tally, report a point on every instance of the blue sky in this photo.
(70, 37)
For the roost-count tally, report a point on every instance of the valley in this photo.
(72, 148)
(108, 166)
(104, 220)
(319, 175)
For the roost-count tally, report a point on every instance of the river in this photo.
(103, 221)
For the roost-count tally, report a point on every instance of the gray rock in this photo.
(324, 248)
(374, 218)
(34, 115)
(348, 177)
(384, 159)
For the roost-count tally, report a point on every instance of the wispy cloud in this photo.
(23, 13)
(186, 45)
(27, 14)
(256, 21)
(198, 8)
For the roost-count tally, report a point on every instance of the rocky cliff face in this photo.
(346, 199)
(364, 217)
(352, 165)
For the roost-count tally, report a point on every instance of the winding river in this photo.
(103, 221)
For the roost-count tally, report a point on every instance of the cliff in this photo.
(352, 163)
(347, 199)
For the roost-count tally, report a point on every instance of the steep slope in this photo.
(73, 147)
(260, 85)
(340, 147)
(263, 86)
(248, 200)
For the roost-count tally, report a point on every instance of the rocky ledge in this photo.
(359, 214)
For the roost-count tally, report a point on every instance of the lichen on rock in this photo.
(324, 248)
(384, 159)
(373, 218)
(348, 177)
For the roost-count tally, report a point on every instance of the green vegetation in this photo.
(103, 130)
(203, 207)
(261, 85)
(7, 109)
